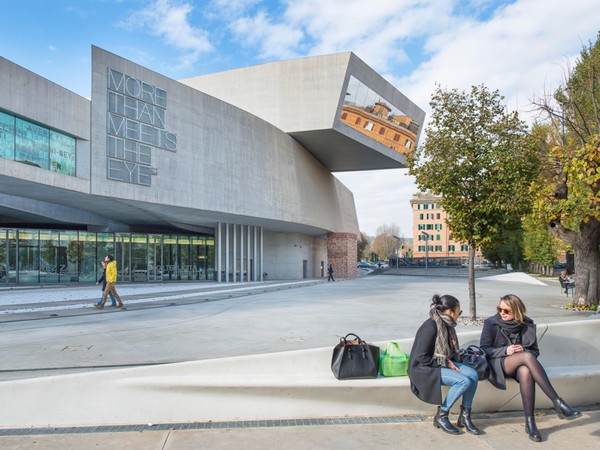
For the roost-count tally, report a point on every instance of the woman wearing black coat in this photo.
(434, 361)
(510, 343)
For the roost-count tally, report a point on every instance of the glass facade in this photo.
(31, 256)
(366, 111)
(29, 143)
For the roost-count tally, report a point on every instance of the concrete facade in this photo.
(158, 155)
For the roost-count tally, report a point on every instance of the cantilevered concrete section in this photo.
(337, 107)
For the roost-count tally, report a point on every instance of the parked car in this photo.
(363, 265)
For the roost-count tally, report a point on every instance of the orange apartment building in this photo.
(430, 229)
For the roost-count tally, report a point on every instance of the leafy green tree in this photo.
(507, 246)
(478, 157)
(540, 247)
(568, 189)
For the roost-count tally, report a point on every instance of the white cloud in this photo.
(275, 40)
(169, 19)
(521, 50)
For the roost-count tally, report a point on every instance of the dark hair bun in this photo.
(436, 300)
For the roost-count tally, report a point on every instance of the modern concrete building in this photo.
(224, 177)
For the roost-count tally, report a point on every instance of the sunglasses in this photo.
(502, 310)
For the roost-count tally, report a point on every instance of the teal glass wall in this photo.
(29, 143)
(30, 256)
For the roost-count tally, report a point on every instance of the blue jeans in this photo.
(112, 299)
(463, 383)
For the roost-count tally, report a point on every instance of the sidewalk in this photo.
(500, 431)
(175, 322)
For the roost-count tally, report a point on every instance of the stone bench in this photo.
(285, 385)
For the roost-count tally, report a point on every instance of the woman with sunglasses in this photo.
(510, 343)
(434, 362)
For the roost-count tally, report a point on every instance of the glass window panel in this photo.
(210, 258)
(363, 104)
(63, 149)
(12, 256)
(199, 257)
(32, 144)
(52, 259)
(73, 256)
(122, 255)
(3, 255)
(170, 257)
(28, 258)
(184, 264)
(89, 268)
(155, 258)
(7, 136)
(105, 245)
(139, 257)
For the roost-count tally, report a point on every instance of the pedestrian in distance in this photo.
(111, 281)
(102, 280)
(435, 362)
(330, 273)
(510, 342)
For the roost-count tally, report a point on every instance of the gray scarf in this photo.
(446, 341)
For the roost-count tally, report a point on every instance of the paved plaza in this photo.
(56, 330)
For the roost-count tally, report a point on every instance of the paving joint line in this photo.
(263, 423)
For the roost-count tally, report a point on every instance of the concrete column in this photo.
(227, 268)
(234, 254)
(218, 252)
(242, 253)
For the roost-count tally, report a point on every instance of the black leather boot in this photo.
(441, 421)
(564, 411)
(464, 420)
(531, 428)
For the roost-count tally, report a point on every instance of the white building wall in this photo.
(228, 162)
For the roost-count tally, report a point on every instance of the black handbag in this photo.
(474, 357)
(354, 359)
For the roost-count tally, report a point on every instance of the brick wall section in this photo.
(341, 253)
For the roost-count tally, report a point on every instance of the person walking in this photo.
(510, 342)
(102, 280)
(330, 273)
(434, 362)
(111, 281)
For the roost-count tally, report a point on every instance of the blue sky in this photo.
(520, 47)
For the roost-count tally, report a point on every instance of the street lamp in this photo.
(426, 236)
(397, 251)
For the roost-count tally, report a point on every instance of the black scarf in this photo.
(512, 329)
(446, 341)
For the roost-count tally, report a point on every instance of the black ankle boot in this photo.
(531, 428)
(441, 421)
(564, 411)
(464, 420)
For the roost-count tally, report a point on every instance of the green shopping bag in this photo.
(393, 362)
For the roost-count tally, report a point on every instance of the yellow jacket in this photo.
(111, 272)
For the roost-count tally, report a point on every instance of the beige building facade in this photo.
(432, 237)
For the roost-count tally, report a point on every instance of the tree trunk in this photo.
(586, 249)
(587, 264)
(472, 305)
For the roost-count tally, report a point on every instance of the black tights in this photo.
(528, 371)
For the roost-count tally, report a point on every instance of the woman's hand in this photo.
(512, 349)
(452, 366)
